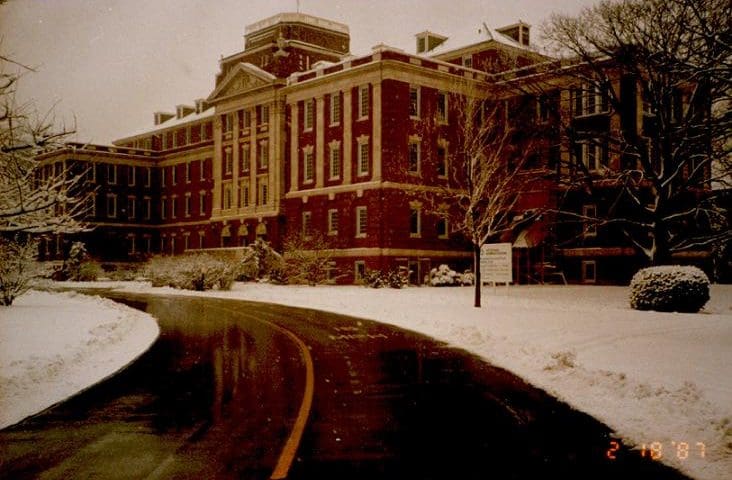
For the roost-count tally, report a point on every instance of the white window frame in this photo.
(263, 192)
(245, 157)
(467, 61)
(307, 224)
(174, 206)
(585, 277)
(227, 197)
(335, 108)
(131, 175)
(334, 164)
(361, 222)
(363, 102)
(415, 102)
(187, 204)
(444, 146)
(163, 207)
(202, 203)
(263, 155)
(308, 115)
(308, 165)
(202, 173)
(418, 233)
(173, 175)
(333, 221)
(589, 229)
(415, 143)
(264, 112)
(188, 172)
(593, 149)
(364, 156)
(244, 196)
(228, 161)
(147, 202)
(148, 177)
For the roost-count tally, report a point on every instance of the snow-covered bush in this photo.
(72, 265)
(468, 278)
(392, 279)
(444, 276)
(18, 268)
(672, 288)
(260, 262)
(192, 272)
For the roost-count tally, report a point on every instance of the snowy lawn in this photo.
(54, 345)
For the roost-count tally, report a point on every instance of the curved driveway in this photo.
(244, 390)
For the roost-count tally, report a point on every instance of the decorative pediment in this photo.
(242, 78)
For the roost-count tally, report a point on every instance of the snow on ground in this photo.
(52, 345)
(652, 377)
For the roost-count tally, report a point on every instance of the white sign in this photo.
(495, 263)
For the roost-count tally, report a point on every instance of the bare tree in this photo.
(489, 174)
(676, 54)
(33, 200)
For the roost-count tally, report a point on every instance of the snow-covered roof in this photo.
(469, 37)
(173, 122)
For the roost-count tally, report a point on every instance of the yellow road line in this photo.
(287, 456)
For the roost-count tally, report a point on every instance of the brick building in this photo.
(300, 135)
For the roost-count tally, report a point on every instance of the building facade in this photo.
(300, 136)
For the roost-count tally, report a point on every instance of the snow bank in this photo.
(651, 376)
(52, 345)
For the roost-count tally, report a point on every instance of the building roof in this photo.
(299, 18)
(173, 122)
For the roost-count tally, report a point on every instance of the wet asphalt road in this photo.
(221, 392)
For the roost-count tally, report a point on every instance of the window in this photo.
(589, 212)
(91, 200)
(593, 154)
(333, 222)
(414, 101)
(227, 196)
(131, 170)
(172, 245)
(164, 138)
(359, 270)
(173, 174)
(111, 174)
(264, 114)
(131, 204)
(361, 218)
(202, 172)
(335, 108)
(442, 228)
(228, 161)
(589, 271)
(163, 207)
(91, 174)
(188, 135)
(543, 107)
(263, 154)
(148, 243)
(111, 205)
(468, 61)
(201, 239)
(227, 123)
(588, 99)
(415, 222)
(244, 199)
(363, 102)
(162, 176)
(414, 156)
(308, 165)
(363, 158)
(247, 118)
(263, 192)
(309, 114)
(335, 161)
(188, 172)
(186, 241)
(442, 160)
(442, 107)
(187, 205)
(245, 157)
(147, 206)
(148, 176)
(306, 224)
(202, 203)
(173, 206)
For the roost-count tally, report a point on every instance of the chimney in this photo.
(201, 105)
(518, 32)
(183, 110)
(161, 117)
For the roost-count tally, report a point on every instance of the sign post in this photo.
(496, 263)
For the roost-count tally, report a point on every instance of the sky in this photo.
(104, 66)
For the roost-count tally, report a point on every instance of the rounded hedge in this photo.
(672, 288)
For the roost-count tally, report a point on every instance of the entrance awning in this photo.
(531, 236)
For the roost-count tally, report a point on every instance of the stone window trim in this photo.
(308, 163)
(364, 101)
(364, 156)
(334, 166)
(361, 221)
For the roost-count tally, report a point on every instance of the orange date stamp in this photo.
(657, 450)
